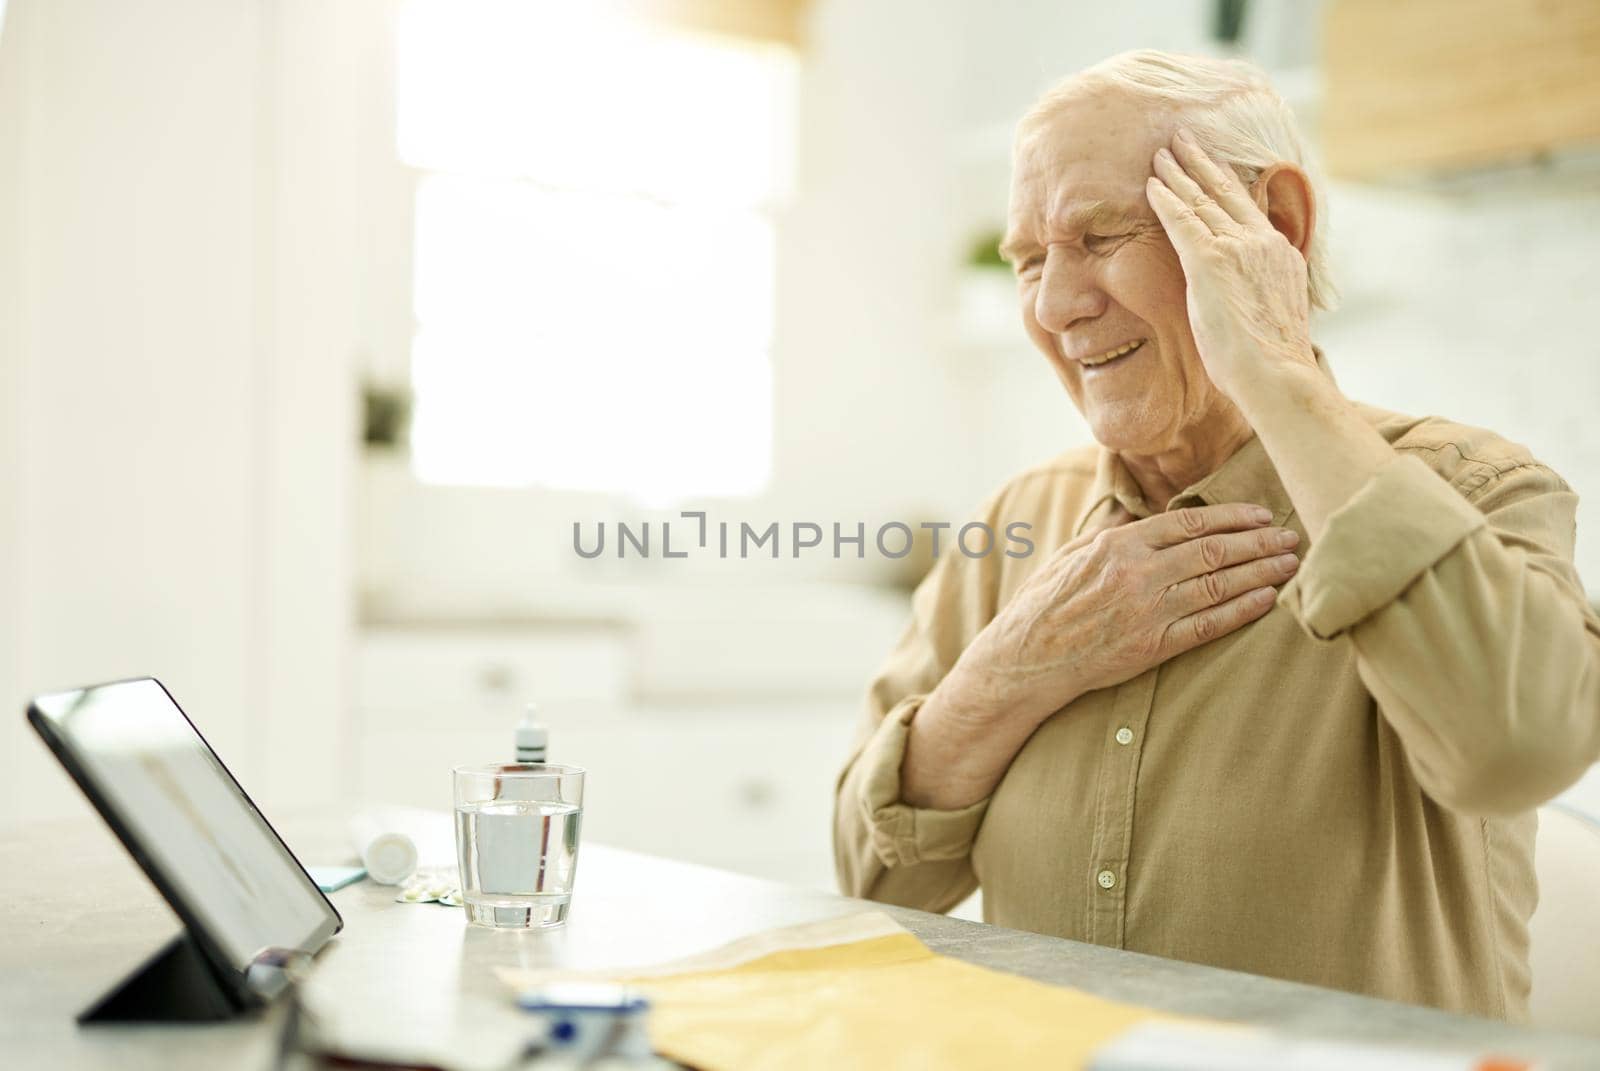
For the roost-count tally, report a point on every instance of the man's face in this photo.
(1097, 273)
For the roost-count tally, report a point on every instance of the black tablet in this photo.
(242, 894)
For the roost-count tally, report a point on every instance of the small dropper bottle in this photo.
(533, 738)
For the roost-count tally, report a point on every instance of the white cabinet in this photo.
(749, 788)
(745, 784)
(437, 676)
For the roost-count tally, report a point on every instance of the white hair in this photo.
(1235, 114)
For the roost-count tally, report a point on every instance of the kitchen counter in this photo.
(81, 916)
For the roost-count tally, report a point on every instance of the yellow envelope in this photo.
(878, 999)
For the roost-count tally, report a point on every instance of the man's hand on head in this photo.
(1245, 272)
(1247, 297)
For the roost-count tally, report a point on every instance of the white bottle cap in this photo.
(390, 858)
(533, 739)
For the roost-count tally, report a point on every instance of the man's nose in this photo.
(1068, 292)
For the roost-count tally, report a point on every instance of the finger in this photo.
(1216, 180)
(1220, 550)
(1187, 230)
(1115, 517)
(1187, 633)
(1216, 217)
(1212, 589)
(1069, 548)
(1179, 526)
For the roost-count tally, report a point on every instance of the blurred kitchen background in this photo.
(323, 321)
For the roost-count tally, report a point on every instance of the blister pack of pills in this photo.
(434, 886)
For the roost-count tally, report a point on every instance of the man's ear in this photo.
(1283, 193)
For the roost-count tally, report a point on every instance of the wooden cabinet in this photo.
(1434, 85)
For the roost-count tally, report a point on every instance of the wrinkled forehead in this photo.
(1094, 146)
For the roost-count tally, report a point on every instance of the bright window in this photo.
(594, 253)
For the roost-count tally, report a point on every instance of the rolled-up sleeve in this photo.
(1470, 627)
(901, 835)
(885, 849)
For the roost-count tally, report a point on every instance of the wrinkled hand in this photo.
(1110, 605)
(1246, 284)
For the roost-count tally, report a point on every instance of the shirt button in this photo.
(1106, 879)
(1124, 736)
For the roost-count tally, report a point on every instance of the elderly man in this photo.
(1287, 675)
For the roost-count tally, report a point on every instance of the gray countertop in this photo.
(80, 916)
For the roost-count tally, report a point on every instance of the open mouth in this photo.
(1109, 357)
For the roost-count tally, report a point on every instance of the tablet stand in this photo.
(176, 985)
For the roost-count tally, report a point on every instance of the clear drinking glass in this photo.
(517, 842)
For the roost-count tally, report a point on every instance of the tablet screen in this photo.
(192, 823)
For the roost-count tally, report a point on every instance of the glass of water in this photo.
(517, 842)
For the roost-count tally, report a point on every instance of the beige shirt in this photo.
(1340, 793)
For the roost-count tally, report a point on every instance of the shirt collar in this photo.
(1247, 476)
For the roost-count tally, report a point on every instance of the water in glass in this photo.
(518, 858)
